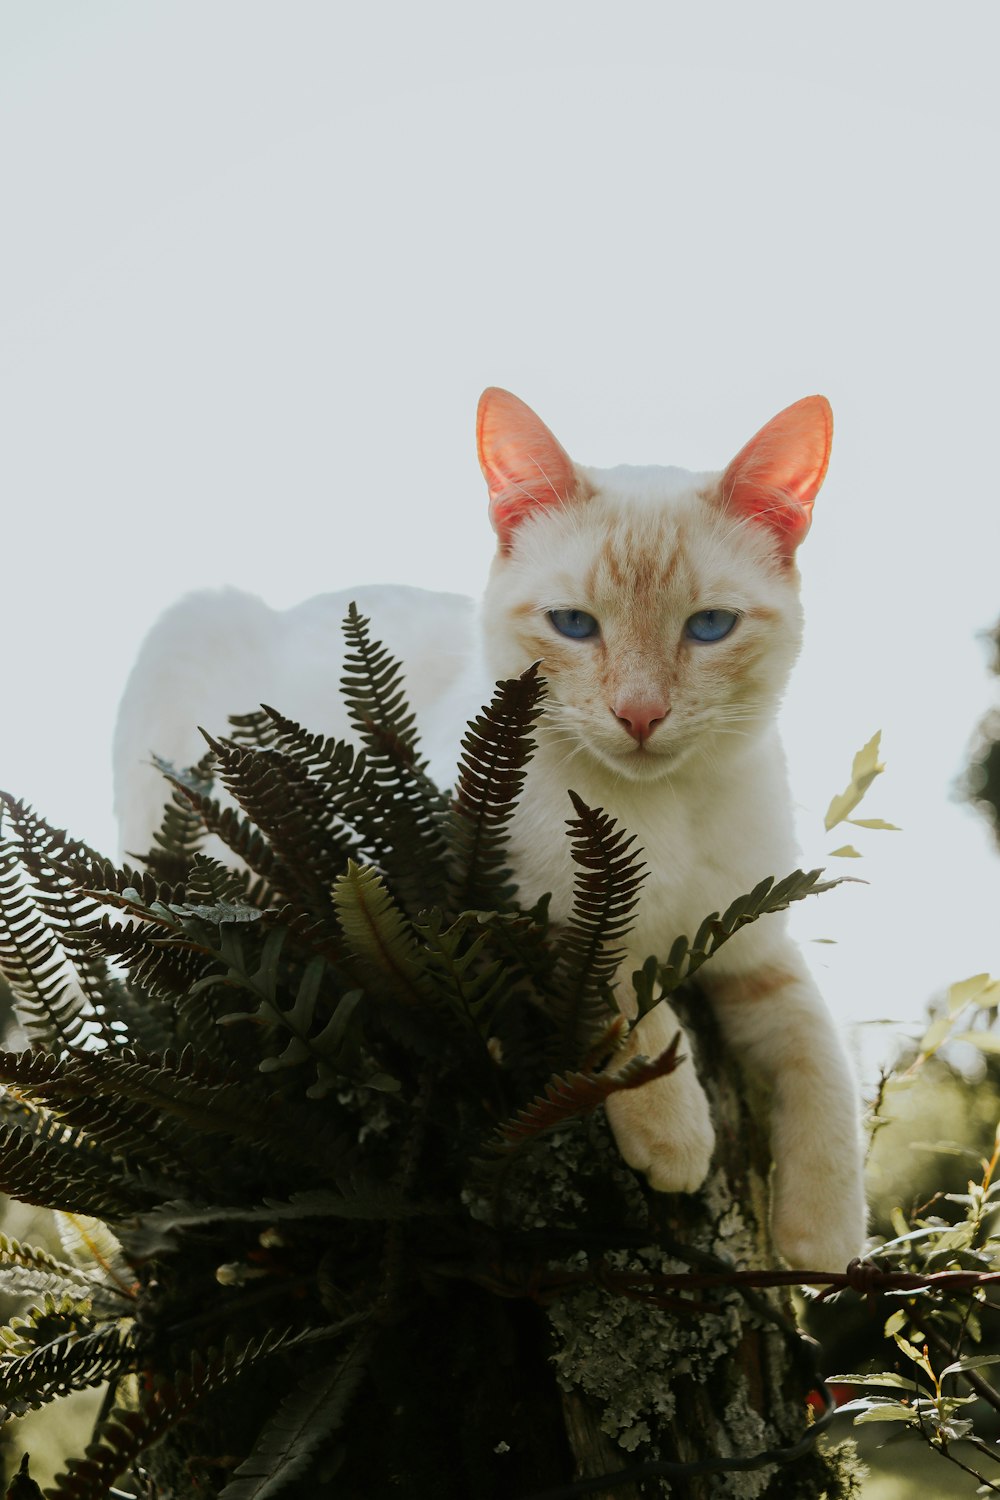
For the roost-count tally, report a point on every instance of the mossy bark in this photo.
(707, 1374)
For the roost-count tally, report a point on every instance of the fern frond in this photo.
(373, 1201)
(80, 1092)
(496, 749)
(305, 1419)
(412, 808)
(127, 1432)
(605, 894)
(686, 955)
(239, 834)
(276, 792)
(254, 729)
(182, 832)
(71, 1175)
(31, 1270)
(575, 1094)
(319, 1018)
(159, 1109)
(70, 1361)
(376, 930)
(460, 972)
(57, 1000)
(162, 972)
(349, 785)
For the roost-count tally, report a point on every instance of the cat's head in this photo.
(663, 605)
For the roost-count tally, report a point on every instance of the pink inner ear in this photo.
(524, 465)
(777, 476)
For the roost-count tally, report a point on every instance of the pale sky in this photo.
(257, 262)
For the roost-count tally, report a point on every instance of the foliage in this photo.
(282, 1106)
(929, 1353)
(981, 783)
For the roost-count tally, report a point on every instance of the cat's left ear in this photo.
(524, 466)
(777, 476)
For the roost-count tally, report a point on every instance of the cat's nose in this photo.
(640, 718)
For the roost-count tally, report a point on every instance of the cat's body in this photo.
(664, 608)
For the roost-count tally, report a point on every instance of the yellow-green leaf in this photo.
(373, 924)
(864, 769)
(986, 1041)
(846, 851)
(935, 1034)
(966, 990)
(874, 823)
(918, 1357)
(990, 996)
(894, 1323)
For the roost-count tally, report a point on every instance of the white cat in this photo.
(664, 608)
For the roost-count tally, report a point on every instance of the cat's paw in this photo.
(664, 1129)
(819, 1230)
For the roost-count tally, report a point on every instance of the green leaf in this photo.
(918, 1357)
(306, 1417)
(982, 989)
(986, 1041)
(970, 1362)
(375, 928)
(865, 768)
(846, 851)
(888, 1411)
(936, 1033)
(895, 1322)
(884, 1378)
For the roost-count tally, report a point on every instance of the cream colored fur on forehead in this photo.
(647, 530)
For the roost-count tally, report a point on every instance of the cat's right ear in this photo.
(524, 465)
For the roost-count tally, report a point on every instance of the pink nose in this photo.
(640, 719)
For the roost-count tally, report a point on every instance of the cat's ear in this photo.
(524, 465)
(777, 476)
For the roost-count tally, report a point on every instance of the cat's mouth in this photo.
(647, 761)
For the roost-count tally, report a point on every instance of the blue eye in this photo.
(573, 622)
(710, 624)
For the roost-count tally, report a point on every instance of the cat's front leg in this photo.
(774, 1019)
(664, 1128)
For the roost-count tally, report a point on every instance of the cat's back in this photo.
(223, 651)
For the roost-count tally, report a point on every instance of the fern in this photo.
(606, 893)
(377, 932)
(495, 753)
(32, 1270)
(577, 1094)
(72, 1176)
(126, 1432)
(49, 1003)
(289, 810)
(182, 831)
(686, 955)
(69, 1361)
(410, 806)
(305, 1419)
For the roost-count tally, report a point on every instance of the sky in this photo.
(258, 261)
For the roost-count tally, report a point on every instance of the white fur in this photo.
(707, 794)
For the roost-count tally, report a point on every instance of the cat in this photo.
(664, 608)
